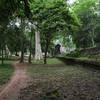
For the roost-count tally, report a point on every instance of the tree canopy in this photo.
(77, 25)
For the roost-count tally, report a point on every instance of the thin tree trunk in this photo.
(22, 51)
(46, 50)
(22, 40)
(93, 43)
(30, 48)
(7, 52)
(29, 60)
(92, 38)
(16, 54)
(2, 56)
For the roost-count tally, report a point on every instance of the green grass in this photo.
(49, 61)
(75, 82)
(6, 71)
(90, 59)
(57, 71)
(12, 58)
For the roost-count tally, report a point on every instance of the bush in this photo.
(75, 53)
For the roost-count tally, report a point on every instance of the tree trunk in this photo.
(16, 53)
(29, 60)
(2, 56)
(38, 50)
(46, 50)
(30, 48)
(6, 52)
(93, 43)
(22, 41)
(92, 38)
(22, 51)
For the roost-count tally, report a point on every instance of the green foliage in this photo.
(80, 6)
(13, 39)
(86, 54)
(88, 13)
(54, 19)
(75, 53)
(5, 72)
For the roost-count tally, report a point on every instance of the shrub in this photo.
(75, 53)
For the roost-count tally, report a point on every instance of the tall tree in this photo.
(38, 50)
(88, 14)
(51, 17)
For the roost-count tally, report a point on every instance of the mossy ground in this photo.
(57, 81)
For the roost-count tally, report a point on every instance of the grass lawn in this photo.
(57, 81)
(49, 61)
(91, 59)
(5, 72)
(11, 58)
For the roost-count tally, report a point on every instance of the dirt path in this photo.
(18, 81)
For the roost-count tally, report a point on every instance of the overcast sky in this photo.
(71, 1)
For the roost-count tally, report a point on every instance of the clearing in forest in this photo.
(53, 81)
